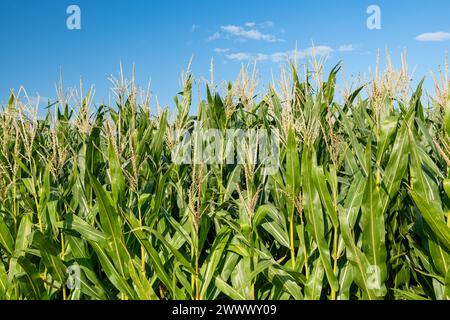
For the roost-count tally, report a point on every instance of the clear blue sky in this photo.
(159, 37)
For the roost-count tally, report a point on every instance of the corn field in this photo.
(92, 205)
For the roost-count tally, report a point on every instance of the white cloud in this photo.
(245, 56)
(320, 51)
(263, 57)
(248, 31)
(252, 34)
(433, 36)
(221, 50)
(214, 36)
(347, 48)
(240, 56)
(282, 56)
(276, 57)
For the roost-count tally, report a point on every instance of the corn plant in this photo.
(94, 205)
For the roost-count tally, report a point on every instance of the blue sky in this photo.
(160, 37)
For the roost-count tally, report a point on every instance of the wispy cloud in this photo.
(249, 31)
(319, 51)
(433, 36)
(239, 56)
(221, 50)
(252, 34)
(214, 36)
(347, 48)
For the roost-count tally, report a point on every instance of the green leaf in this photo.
(142, 286)
(358, 260)
(387, 130)
(345, 280)
(313, 288)
(292, 171)
(113, 274)
(3, 281)
(274, 224)
(433, 218)
(155, 259)
(373, 236)
(447, 118)
(321, 186)
(209, 267)
(425, 195)
(73, 222)
(314, 215)
(398, 163)
(6, 239)
(447, 285)
(116, 176)
(50, 256)
(447, 187)
(357, 147)
(227, 289)
(34, 284)
(110, 222)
